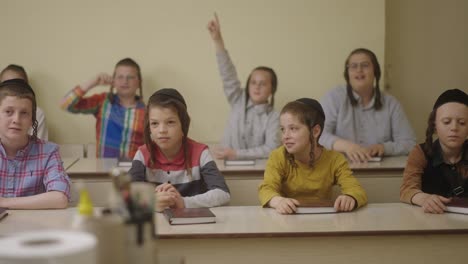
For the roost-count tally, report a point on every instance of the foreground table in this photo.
(378, 233)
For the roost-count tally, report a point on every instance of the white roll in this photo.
(49, 247)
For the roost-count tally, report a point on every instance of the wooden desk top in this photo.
(254, 221)
(374, 219)
(103, 165)
(69, 162)
(93, 167)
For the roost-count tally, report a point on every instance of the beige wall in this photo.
(62, 43)
(426, 53)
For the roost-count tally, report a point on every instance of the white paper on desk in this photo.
(239, 162)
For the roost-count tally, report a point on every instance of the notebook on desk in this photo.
(239, 162)
(315, 207)
(375, 159)
(186, 216)
(457, 205)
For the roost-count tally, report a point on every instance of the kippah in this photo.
(452, 96)
(314, 104)
(17, 82)
(172, 93)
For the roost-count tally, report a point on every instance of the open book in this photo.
(458, 205)
(185, 216)
(239, 162)
(315, 207)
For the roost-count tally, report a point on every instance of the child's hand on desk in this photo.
(224, 153)
(357, 153)
(376, 150)
(431, 203)
(344, 203)
(173, 198)
(165, 187)
(284, 205)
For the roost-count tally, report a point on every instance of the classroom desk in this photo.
(69, 162)
(381, 180)
(378, 233)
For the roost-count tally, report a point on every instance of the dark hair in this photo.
(377, 74)
(165, 101)
(429, 133)
(17, 69)
(130, 63)
(310, 117)
(21, 89)
(274, 84)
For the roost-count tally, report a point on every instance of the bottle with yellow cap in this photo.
(83, 219)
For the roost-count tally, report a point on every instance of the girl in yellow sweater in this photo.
(302, 169)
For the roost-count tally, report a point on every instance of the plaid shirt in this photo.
(36, 169)
(119, 130)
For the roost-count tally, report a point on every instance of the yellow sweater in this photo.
(303, 182)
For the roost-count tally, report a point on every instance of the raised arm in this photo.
(74, 101)
(215, 33)
(227, 70)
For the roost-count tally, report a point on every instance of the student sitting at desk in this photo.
(251, 130)
(31, 171)
(303, 169)
(184, 171)
(438, 170)
(119, 116)
(14, 71)
(361, 121)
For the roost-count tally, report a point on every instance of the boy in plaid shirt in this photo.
(31, 170)
(119, 115)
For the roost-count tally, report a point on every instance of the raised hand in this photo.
(100, 79)
(214, 29)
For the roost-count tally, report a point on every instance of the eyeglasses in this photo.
(123, 77)
(355, 66)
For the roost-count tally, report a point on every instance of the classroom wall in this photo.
(426, 52)
(63, 43)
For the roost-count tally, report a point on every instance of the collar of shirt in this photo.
(438, 159)
(139, 102)
(259, 109)
(370, 105)
(21, 152)
(179, 159)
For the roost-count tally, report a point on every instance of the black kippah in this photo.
(452, 96)
(314, 104)
(18, 82)
(172, 93)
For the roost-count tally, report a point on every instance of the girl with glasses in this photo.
(363, 122)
